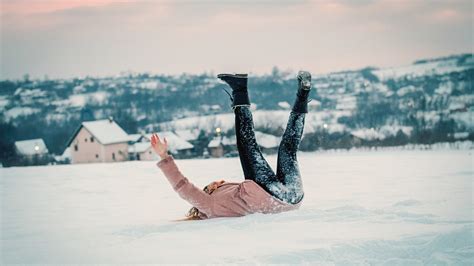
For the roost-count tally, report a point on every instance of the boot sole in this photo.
(304, 77)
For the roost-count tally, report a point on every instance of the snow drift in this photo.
(360, 207)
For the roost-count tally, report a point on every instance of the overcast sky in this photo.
(103, 37)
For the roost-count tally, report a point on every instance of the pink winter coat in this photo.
(228, 200)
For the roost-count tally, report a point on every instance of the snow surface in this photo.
(17, 111)
(382, 133)
(438, 67)
(360, 208)
(367, 134)
(261, 118)
(80, 100)
(348, 102)
(4, 101)
(284, 105)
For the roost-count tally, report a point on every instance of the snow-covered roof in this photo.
(139, 147)
(66, 153)
(266, 140)
(106, 131)
(226, 141)
(134, 137)
(215, 142)
(65, 156)
(175, 143)
(188, 134)
(31, 147)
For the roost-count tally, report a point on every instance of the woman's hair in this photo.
(193, 213)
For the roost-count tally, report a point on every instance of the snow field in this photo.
(389, 207)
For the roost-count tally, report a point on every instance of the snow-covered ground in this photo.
(360, 208)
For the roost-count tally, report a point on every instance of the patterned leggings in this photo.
(286, 185)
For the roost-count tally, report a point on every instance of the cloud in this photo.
(29, 7)
(105, 37)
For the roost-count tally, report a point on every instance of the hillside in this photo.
(428, 101)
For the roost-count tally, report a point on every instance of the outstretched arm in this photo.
(185, 189)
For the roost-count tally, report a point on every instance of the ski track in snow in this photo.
(360, 208)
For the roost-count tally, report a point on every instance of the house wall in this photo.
(119, 149)
(148, 155)
(93, 151)
(217, 151)
(183, 154)
(37, 159)
(87, 150)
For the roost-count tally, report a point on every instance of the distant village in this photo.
(429, 101)
(104, 140)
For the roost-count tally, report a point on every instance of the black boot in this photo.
(238, 83)
(304, 87)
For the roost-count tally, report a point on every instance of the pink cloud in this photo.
(446, 15)
(33, 7)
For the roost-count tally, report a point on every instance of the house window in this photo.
(85, 139)
(113, 156)
(92, 139)
(97, 156)
(76, 148)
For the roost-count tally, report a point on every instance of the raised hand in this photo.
(160, 147)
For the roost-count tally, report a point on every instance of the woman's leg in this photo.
(287, 166)
(288, 172)
(254, 165)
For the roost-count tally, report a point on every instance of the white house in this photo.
(219, 145)
(99, 141)
(140, 147)
(33, 151)
(65, 157)
(142, 151)
(177, 146)
(30, 147)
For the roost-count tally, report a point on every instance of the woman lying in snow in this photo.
(262, 191)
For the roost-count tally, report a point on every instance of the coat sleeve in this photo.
(185, 189)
